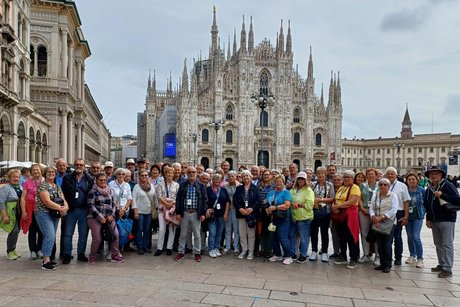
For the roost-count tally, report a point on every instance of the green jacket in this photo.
(305, 198)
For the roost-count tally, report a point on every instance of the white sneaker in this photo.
(225, 251)
(242, 255)
(236, 252)
(33, 255)
(288, 260)
(313, 256)
(39, 255)
(411, 260)
(364, 259)
(250, 255)
(109, 256)
(419, 264)
(217, 252)
(212, 254)
(377, 261)
(275, 258)
(324, 257)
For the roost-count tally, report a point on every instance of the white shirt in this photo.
(121, 193)
(142, 202)
(400, 189)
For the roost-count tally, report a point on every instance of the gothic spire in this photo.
(281, 39)
(406, 131)
(338, 90)
(149, 82)
(251, 38)
(322, 96)
(310, 66)
(234, 42)
(185, 77)
(243, 37)
(170, 88)
(228, 50)
(193, 86)
(289, 40)
(331, 90)
(154, 84)
(214, 31)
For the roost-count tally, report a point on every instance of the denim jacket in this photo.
(417, 203)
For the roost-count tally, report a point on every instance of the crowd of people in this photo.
(255, 212)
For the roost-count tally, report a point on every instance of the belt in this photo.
(190, 210)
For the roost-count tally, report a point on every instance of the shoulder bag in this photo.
(385, 227)
(341, 216)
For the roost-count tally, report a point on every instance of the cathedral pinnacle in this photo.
(185, 78)
(251, 38)
(331, 89)
(149, 82)
(281, 39)
(214, 31)
(289, 40)
(243, 37)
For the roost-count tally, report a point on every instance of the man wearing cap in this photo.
(108, 170)
(440, 220)
(131, 165)
(402, 215)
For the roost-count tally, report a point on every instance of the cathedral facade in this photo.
(247, 105)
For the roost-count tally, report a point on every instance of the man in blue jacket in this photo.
(440, 220)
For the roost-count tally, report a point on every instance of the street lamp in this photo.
(216, 125)
(262, 102)
(398, 150)
(194, 137)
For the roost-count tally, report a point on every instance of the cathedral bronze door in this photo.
(263, 158)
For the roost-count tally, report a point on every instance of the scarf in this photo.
(145, 186)
(107, 191)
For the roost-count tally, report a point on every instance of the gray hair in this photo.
(276, 171)
(119, 170)
(176, 164)
(232, 173)
(217, 176)
(391, 169)
(246, 172)
(349, 173)
(384, 180)
(127, 172)
(204, 174)
(209, 171)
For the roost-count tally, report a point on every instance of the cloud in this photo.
(404, 20)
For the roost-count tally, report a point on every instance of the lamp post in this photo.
(398, 150)
(194, 137)
(262, 103)
(216, 125)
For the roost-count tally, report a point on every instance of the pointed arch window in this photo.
(264, 119)
(318, 139)
(205, 136)
(264, 84)
(296, 139)
(229, 137)
(229, 112)
(297, 116)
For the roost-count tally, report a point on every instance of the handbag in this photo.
(171, 217)
(320, 213)
(154, 209)
(448, 205)
(341, 216)
(11, 207)
(107, 233)
(280, 214)
(385, 227)
(124, 228)
(53, 212)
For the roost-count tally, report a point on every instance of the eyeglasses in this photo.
(143, 175)
(123, 174)
(79, 164)
(383, 184)
(191, 172)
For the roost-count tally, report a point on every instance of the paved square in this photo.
(227, 281)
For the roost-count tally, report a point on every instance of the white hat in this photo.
(108, 164)
(130, 161)
(301, 175)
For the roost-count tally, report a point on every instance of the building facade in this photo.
(47, 111)
(407, 152)
(218, 116)
(123, 148)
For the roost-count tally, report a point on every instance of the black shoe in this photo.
(386, 270)
(444, 274)
(436, 269)
(294, 257)
(397, 262)
(334, 255)
(66, 259)
(188, 250)
(48, 266)
(268, 254)
(169, 252)
(148, 250)
(140, 251)
(301, 259)
(157, 253)
(82, 258)
(54, 263)
(379, 268)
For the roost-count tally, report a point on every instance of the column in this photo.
(70, 139)
(64, 135)
(78, 83)
(64, 52)
(36, 61)
(27, 150)
(39, 154)
(79, 134)
(83, 142)
(82, 84)
(71, 65)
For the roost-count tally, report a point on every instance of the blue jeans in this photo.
(413, 229)
(144, 231)
(301, 228)
(48, 227)
(232, 225)
(281, 238)
(216, 226)
(77, 215)
(398, 236)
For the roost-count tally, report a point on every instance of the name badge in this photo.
(76, 194)
(246, 204)
(411, 209)
(218, 206)
(189, 202)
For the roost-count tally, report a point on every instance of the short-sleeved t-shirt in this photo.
(279, 197)
(53, 189)
(32, 187)
(341, 195)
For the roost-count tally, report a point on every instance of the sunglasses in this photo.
(123, 174)
(383, 184)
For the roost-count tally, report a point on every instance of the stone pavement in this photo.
(160, 281)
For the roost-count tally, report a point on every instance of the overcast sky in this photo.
(389, 53)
